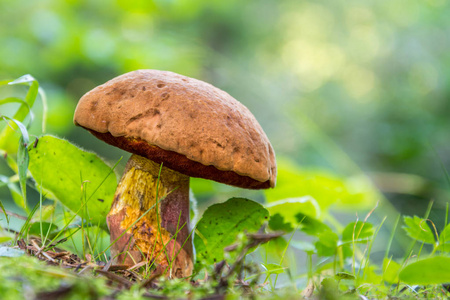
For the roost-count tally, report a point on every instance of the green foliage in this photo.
(227, 232)
(221, 223)
(432, 270)
(323, 188)
(41, 278)
(357, 231)
(8, 135)
(285, 213)
(80, 180)
(390, 271)
(418, 229)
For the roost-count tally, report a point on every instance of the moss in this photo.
(27, 277)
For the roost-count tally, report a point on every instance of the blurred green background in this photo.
(346, 86)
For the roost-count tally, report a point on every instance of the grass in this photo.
(58, 251)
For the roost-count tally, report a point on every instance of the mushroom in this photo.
(176, 127)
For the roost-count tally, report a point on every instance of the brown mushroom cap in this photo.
(189, 125)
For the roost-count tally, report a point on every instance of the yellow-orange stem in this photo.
(161, 232)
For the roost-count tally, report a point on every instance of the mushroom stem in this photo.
(162, 233)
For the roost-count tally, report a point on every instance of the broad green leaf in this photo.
(444, 237)
(276, 247)
(433, 270)
(4, 239)
(329, 289)
(35, 229)
(311, 225)
(74, 177)
(277, 222)
(289, 208)
(390, 271)
(371, 276)
(322, 185)
(327, 243)
(221, 223)
(44, 213)
(418, 229)
(344, 275)
(357, 231)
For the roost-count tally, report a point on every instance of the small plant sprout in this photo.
(176, 127)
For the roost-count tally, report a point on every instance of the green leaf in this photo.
(311, 226)
(390, 271)
(357, 231)
(327, 243)
(444, 237)
(344, 275)
(324, 186)
(418, 229)
(221, 223)
(22, 158)
(6, 135)
(277, 222)
(275, 248)
(35, 229)
(74, 177)
(433, 270)
(4, 239)
(14, 100)
(329, 289)
(289, 208)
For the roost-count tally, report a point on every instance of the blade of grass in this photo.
(4, 211)
(284, 251)
(26, 225)
(22, 157)
(444, 232)
(366, 263)
(391, 238)
(104, 179)
(23, 111)
(44, 108)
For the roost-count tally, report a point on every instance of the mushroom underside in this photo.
(179, 162)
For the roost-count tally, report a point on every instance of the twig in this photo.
(10, 213)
